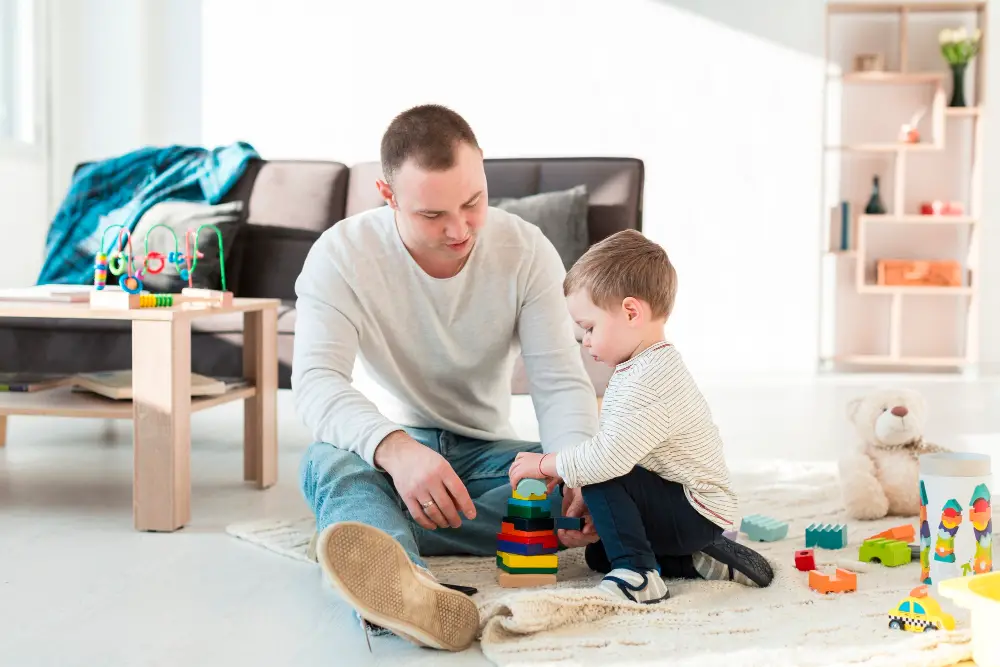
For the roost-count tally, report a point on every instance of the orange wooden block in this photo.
(507, 528)
(509, 580)
(840, 582)
(905, 533)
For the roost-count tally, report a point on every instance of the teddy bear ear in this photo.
(853, 406)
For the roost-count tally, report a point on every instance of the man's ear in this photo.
(385, 192)
(633, 309)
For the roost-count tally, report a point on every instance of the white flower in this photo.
(961, 35)
(945, 36)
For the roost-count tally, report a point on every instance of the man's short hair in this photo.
(625, 264)
(428, 134)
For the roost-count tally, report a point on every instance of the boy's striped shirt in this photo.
(654, 416)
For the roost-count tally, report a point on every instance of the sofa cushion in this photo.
(303, 194)
(272, 260)
(561, 215)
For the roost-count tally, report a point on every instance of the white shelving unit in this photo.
(866, 325)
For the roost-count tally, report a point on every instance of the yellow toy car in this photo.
(919, 612)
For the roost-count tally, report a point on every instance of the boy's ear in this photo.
(632, 308)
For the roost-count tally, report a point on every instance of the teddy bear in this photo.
(880, 477)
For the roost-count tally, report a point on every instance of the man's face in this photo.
(440, 212)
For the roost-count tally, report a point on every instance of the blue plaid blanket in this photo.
(119, 190)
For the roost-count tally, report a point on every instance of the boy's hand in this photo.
(534, 466)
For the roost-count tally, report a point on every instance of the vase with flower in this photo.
(959, 47)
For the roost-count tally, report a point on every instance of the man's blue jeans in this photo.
(341, 486)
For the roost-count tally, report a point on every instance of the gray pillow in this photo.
(561, 215)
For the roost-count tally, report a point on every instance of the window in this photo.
(17, 71)
(918, 609)
(905, 606)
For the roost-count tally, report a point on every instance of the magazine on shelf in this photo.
(28, 382)
(118, 384)
(48, 293)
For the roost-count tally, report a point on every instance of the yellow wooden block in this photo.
(517, 560)
(533, 496)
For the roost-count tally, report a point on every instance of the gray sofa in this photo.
(287, 204)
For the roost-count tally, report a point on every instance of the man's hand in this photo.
(421, 475)
(573, 506)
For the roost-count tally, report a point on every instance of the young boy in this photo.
(654, 477)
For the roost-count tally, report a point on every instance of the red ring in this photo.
(155, 255)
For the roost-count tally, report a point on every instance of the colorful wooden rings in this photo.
(118, 264)
(151, 258)
(100, 270)
(130, 284)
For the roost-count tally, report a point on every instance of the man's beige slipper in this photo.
(372, 572)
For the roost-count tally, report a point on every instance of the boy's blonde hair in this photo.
(625, 264)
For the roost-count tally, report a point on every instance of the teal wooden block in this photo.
(760, 528)
(826, 535)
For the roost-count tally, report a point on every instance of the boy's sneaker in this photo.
(644, 587)
(371, 572)
(726, 560)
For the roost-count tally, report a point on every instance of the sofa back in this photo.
(289, 203)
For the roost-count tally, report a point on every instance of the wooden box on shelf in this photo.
(919, 272)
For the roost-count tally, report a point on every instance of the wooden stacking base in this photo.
(508, 580)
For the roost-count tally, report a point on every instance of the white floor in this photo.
(78, 586)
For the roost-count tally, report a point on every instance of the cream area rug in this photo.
(703, 624)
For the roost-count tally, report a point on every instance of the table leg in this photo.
(3, 430)
(161, 413)
(260, 424)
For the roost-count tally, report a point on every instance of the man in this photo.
(436, 292)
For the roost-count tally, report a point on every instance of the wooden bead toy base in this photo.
(508, 580)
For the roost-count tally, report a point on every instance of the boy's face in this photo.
(611, 336)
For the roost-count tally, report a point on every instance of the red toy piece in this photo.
(804, 560)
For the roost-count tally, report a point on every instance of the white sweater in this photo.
(654, 416)
(442, 349)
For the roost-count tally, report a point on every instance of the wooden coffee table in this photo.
(161, 406)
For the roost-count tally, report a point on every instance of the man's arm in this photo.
(326, 343)
(562, 393)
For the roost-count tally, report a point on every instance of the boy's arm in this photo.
(627, 435)
(561, 391)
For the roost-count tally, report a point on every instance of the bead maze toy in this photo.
(842, 581)
(526, 544)
(826, 536)
(760, 528)
(890, 553)
(130, 269)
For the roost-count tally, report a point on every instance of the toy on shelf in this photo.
(842, 581)
(919, 612)
(130, 269)
(890, 553)
(805, 560)
(981, 596)
(527, 543)
(905, 532)
(760, 528)
(826, 536)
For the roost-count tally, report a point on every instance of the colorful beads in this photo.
(100, 270)
(118, 264)
(154, 257)
(156, 300)
(130, 284)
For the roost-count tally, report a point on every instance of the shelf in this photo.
(890, 77)
(885, 148)
(918, 219)
(907, 289)
(896, 7)
(962, 112)
(64, 402)
(885, 360)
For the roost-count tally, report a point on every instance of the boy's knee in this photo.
(324, 466)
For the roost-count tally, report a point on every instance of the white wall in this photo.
(22, 218)
(725, 110)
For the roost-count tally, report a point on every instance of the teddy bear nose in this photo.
(900, 411)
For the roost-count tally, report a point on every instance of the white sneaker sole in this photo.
(372, 572)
